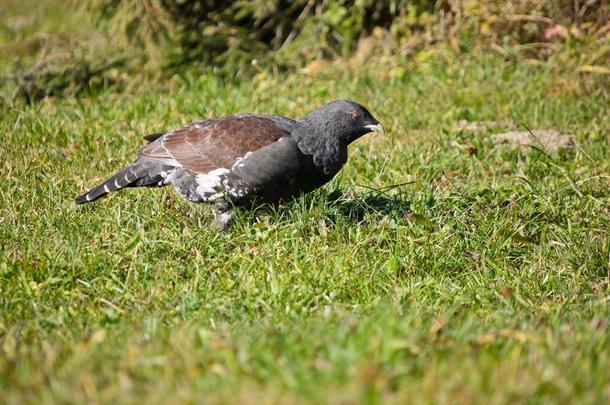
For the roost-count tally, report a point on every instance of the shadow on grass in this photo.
(372, 205)
(337, 205)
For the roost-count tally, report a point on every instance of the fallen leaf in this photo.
(506, 292)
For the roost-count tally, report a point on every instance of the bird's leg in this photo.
(224, 216)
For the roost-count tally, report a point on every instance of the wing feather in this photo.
(216, 143)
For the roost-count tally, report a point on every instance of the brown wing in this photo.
(208, 145)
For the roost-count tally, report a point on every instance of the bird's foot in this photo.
(224, 219)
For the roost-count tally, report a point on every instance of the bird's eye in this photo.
(352, 113)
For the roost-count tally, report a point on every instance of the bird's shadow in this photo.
(372, 205)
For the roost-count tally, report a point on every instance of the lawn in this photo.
(437, 267)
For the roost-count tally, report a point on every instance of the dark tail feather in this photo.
(153, 137)
(137, 174)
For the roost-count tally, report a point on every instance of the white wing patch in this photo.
(240, 189)
(210, 185)
(166, 177)
(216, 184)
(239, 162)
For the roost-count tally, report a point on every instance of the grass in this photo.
(482, 276)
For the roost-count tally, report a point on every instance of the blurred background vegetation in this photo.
(127, 40)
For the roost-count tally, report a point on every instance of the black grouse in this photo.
(246, 160)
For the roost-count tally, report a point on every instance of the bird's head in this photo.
(343, 119)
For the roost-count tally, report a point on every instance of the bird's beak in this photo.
(375, 128)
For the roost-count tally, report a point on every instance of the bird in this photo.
(246, 160)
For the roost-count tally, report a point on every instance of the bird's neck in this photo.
(328, 152)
